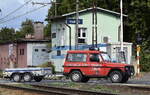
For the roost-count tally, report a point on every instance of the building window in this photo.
(119, 30)
(36, 50)
(43, 50)
(58, 52)
(105, 39)
(53, 35)
(21, 51)
(82, 35)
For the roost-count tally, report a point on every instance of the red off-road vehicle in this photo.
(81, 65)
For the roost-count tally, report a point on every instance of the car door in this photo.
(94, 62)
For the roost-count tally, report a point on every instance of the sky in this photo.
(7, 6)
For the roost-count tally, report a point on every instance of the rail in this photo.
(48, 90)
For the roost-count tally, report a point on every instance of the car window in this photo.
(106, 57)
(76, 57)
(95, 57)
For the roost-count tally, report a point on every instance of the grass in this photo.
(23, 85)
(73, 85)
(83, 86)
(1, 73)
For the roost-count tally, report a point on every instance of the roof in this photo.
(83, 51)
(25, 41)
(86, 10)
(32, 41)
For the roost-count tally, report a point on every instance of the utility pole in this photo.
(94, 25)
(55, 4)
(121, 31)
(77, 19)
(52, 2)
(122, 54)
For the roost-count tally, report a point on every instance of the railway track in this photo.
(48, 90)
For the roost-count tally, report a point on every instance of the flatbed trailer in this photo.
(26, 74)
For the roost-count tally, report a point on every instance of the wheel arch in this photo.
(115, 69)
(14, 73)
(75, 70)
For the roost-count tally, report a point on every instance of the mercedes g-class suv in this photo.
(81, 65)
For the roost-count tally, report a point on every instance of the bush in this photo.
(145, 62)
(48, 64)
(1, 73)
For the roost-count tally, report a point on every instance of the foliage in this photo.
(48, 64)
(145, 59)
(1, 73)
(7, 35)
(10, 35)
(47, 31)
(27, 27)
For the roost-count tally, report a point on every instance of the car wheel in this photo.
(76, 76)
(27, 77)
(116, 77)
(16, 77)
(38, 79)
(85, 79)
(125, 79)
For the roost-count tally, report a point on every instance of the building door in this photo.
(39, 55)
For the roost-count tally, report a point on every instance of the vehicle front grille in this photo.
(130, 70)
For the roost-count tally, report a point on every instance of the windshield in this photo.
(106, 57)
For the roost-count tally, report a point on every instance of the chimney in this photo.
(38, 30)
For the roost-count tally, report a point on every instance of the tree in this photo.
(47, 31)
(7, 35)
(26, 28)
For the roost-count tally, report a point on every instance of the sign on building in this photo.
(73, 21)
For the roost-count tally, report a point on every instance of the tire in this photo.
(16, 77)
(116, 77)
(27, 77)
(85, 79)
(125, 79)
(38, 79)
(76, 76)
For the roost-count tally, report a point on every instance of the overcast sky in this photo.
(7, 6)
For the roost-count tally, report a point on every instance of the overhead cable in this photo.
(23, 14)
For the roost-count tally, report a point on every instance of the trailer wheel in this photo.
(38, 79)
(27, 77)
(76, 76)
(16, 77)
(116, 77)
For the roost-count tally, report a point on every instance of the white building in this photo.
(108, 38)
